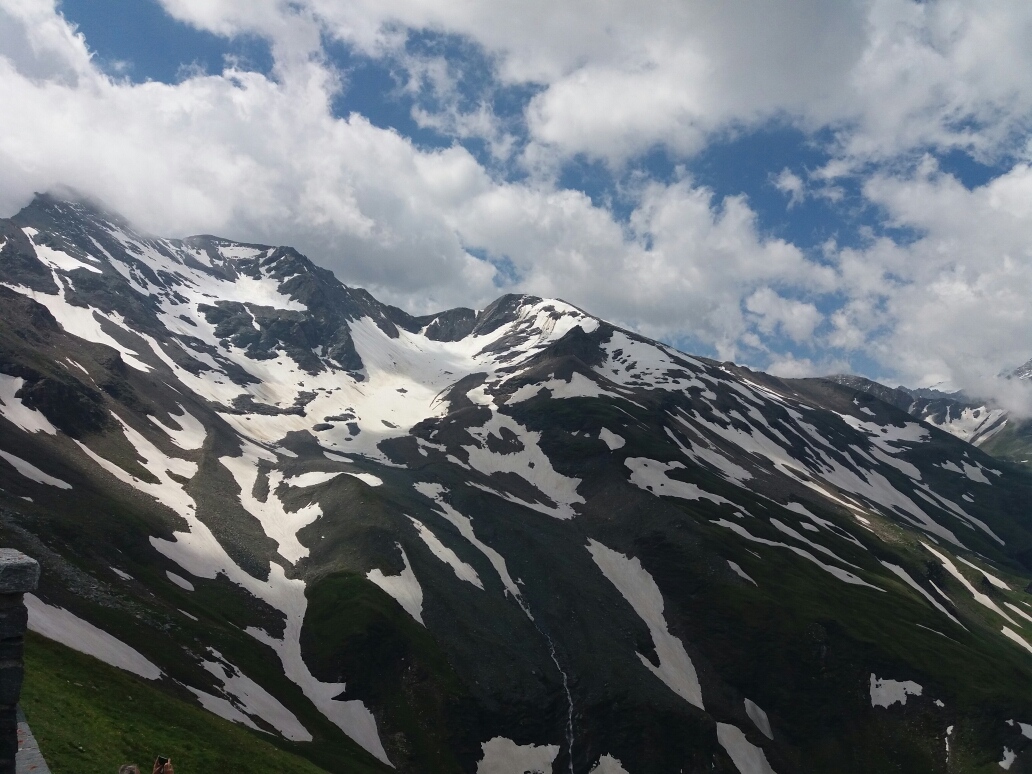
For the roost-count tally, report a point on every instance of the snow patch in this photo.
(504, 756)
(988, 576)
(180, 581)
(885, 693)
(905, 577)
(747, 757)
(636, 585)
(741, 573)
(462, 570)
(464, 525)
(255, 700)
(759, 717)
(607, 764)
(651, 476)
(404, 588)
(842, 575)
(1015, 637)
(191, 434)
(63, 626)
(33, 473)
(611, 439)
(16, 412)
(980, 598)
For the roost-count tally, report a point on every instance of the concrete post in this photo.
(18, 574)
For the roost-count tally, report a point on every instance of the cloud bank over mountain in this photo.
(900, 248)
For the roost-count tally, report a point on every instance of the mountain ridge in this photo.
(480, 541)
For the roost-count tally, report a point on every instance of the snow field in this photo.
(842, 575)
(191, 432)
(404, 588)
(579, 386)
(979, 597)
(462, 570)
(902, 574)
(255, 700)
(63, 626)
(200, 554)
(82, 322)
(639, 589)
(33, 473)
(278, 523)
(530, 463)
(747, 757)
(885, 692)
(57, 259)
(740, 572)
(970, 428)
(16, 412)
(651, 476)
(759, 717)
(464, 525)
(504, 756)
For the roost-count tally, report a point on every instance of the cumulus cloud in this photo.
(953, 305)
(889, 75)
(791, 185)
(264, 158)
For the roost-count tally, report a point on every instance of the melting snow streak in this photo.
(640, 590)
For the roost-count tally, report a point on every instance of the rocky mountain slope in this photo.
(508, 540)
(978, 422)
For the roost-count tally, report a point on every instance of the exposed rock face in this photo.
(516, 539)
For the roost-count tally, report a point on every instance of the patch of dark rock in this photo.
(246, 404)
(345, 417)
(19, 263)
(71, 406)
(321, 426)
(506, 442)
(353, 428)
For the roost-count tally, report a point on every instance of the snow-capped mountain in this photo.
(973, 421)
(981, 423)
(507, 540)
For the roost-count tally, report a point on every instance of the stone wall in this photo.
(18, 574)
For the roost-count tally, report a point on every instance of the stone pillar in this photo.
(18, 574)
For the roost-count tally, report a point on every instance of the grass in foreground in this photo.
(88, 716)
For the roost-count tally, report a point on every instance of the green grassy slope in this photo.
(91, 717)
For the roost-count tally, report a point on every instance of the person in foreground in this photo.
(162, 765)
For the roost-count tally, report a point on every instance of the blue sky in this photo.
(804, 187)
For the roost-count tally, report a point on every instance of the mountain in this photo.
(978, 422)
(1023, 371)
(506, 540)
(970, 420)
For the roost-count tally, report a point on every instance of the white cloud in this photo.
(788, 366)
(264, 159)
(889, 75)
(953, 305)
(791, 185)
(795, 319)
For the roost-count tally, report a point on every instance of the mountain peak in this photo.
(520, 539)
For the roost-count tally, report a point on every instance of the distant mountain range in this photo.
(517, 539)
(978, 422)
